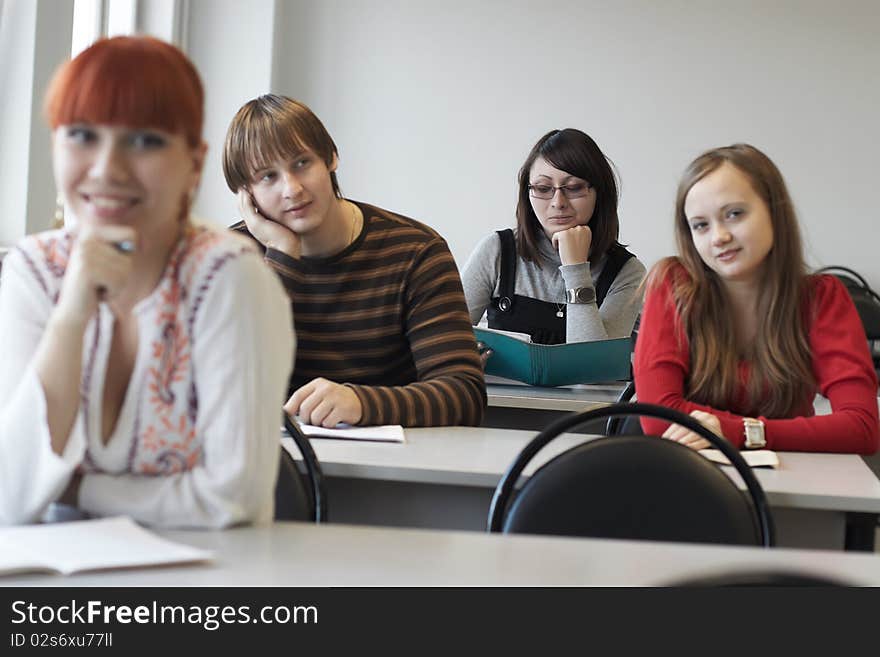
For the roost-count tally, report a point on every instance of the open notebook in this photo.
(72, 547)
(516, 357)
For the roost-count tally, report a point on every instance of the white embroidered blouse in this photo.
(196, 443)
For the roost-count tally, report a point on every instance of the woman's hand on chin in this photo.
(573, 244)
(100, 265)
(268, 232)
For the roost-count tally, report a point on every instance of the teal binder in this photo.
(556, 364)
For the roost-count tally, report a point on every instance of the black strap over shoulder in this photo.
(542, 320)
(616, 257)
(507, 278)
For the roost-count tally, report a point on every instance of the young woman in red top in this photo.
(737, 334)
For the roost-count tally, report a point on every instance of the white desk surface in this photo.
(478, 456)
(505, 393)
(297, 554)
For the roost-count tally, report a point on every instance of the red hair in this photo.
(134, 81)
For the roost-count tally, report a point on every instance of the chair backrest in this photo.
(293, 497)
(758, 577)
(630, 426)
(866, 301)
(298, 498)
(633, 487)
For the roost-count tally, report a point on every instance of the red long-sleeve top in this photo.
(842, 367)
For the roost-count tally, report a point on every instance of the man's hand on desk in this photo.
(323, 403)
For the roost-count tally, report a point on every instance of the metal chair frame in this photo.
(316, 489)
(505, 488)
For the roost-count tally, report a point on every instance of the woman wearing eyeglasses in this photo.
(562, 276)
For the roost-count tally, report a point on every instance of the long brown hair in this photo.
(576, 153)
(781, 365)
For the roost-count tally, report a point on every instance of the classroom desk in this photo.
(505, 393)
(444, 478)
(298, 554)
(515, 405)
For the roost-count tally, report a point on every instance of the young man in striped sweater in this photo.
(383, 332)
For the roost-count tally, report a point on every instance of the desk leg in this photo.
(860, 531)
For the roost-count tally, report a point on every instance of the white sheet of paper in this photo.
(756, 458)
(386, 433)
(103, 543)
(525, 337)
(16, 560)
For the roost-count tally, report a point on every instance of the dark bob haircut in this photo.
(576, 153)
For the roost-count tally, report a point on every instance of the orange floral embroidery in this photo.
(172, 355)
(56, 253)
(168, 442)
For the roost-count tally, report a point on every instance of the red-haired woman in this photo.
(145, 357)
(736, 333)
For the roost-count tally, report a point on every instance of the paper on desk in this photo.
(104, 543)
(756, 458)
(386, 433)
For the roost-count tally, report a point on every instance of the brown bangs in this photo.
(131, 81)
(269, 129)
(259, 143)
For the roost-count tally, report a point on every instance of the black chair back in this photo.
(866, 301)
(742, 578)
(630, 426)
(633, 487)
(298, 498)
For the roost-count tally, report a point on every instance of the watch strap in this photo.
(580, 295)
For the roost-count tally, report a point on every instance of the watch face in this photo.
(585, 294)
(754, 430)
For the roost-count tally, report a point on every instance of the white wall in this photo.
(231, 44)
(435, 105)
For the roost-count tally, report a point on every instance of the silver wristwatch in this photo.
(754, 432)
(580, 295)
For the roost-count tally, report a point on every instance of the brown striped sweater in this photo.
(387, 317)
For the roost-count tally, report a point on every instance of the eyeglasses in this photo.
(572, 190)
